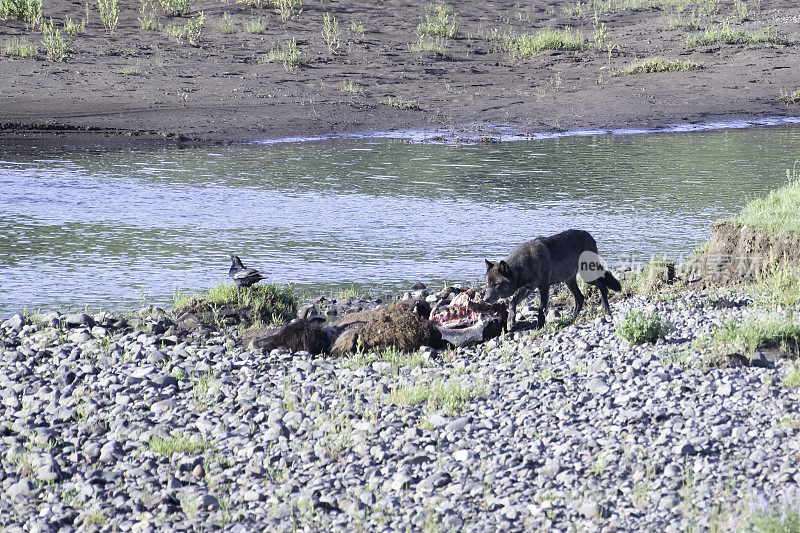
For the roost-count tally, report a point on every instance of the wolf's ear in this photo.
(503, 268)
(489, 265)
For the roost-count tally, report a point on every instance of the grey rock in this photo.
(79, 319)
(21, 490)
(597, 386)
(457, 425)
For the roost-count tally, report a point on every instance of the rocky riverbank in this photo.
(141, 423)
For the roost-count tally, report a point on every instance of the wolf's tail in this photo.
(612, 282)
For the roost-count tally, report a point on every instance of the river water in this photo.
(109, 228)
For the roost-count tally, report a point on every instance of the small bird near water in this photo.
(243, 277)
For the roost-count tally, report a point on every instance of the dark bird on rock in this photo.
(243, 277)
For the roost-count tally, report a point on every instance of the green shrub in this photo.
(190, 33)
(74, 28)
(289, 55)
(226, 24)
(147, 16)
(639, 327)
(54, 43)
(109, 14)
(288, 8)
(330, 32)
(439, 20)
(28, 11)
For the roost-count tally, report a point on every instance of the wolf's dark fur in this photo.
(539, 263)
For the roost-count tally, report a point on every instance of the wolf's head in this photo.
(499, 281)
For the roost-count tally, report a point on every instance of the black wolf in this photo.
(539, 263)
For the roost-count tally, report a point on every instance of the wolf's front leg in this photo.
(512, 315)
(519, 296)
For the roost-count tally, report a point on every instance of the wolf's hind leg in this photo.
(572, 285)
(544, 296)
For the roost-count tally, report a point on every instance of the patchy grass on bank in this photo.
(791, 98)
(657, 64)
(725, 34)
(288, 54)
(526, 45)
(771, 331)
(778, 212)
(263, 304)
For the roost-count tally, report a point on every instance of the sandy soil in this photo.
(222, 91)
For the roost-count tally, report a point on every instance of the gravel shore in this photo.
(138, 423)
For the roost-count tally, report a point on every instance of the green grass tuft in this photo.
(330, 32)
(650, 279)
(263, 304)
(178, 443)
(357, 28)
(772, 331)
(790, 98)
(130, 70)
(54, 43)
(440, 21)
(451, 394)
(526, 45)
(21, 47)
(437, 46)
(399, 103)
(727, 35)
(74, 28)
(390, 355)
(97, 518)
(791, 379)
(288, 8)
(190, 33)
(779, 287)
(638, 327)
(778, 212)
(255, 26)
(147, 16)
(109, 14)
(28, 11)
(226, 25)
(659, 64)
(288, 54)
(176, 7)
(349, 86)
